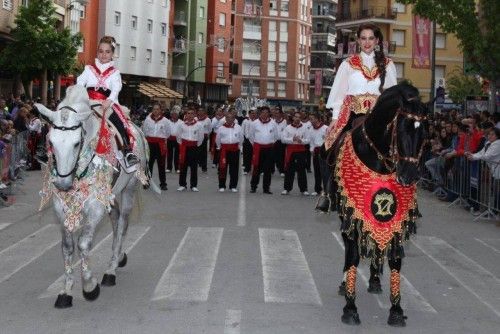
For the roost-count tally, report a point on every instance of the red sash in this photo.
(224, 148)
(183, 148)
(161, 142)
(213, 135)
(256, 155)
(96, 95)
(291, 149)
(172, 138)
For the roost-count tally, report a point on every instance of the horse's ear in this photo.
(49, 114)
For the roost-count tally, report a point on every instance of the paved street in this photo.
(232, 263)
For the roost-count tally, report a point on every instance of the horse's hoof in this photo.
(396, 318)
(342, 289)
(123, 262)
(63, 301)
(92, 295)
(108, 280)
(375, 287)
(351, 317)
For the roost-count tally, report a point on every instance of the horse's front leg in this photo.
(351, 316)
(396, 315)
(94, 213)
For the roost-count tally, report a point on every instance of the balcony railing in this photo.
(324, 12)
(327, 81)
(180, 19)
(368, 13)
(324, 30)
(179, 71)
(180, 46)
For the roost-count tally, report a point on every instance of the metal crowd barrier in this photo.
(12, 165)
(474, 184)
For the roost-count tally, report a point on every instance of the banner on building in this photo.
(352, 48)
(318, 85)
(421, 53)
(340, 49)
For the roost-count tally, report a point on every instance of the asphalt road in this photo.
(231, 263)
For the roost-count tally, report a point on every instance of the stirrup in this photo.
(131, 159)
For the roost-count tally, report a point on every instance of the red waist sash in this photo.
(224, 148)
(96, 95)
(183, 148)
(213, 135)
(160, 141)
(291, 149)
(256, 155)
(172, 138)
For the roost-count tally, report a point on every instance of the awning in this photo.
(158, 91)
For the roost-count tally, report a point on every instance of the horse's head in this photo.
(66, 135)
(409, 133)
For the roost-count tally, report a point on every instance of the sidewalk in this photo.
(27, 199)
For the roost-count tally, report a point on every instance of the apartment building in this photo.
(395, 21)
(271, 45)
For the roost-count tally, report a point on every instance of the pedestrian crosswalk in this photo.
(286, 277)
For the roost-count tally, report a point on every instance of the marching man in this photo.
(228, 141)
(247, 145)
(206, 124)
(317, 134)
(190, 137)
(296, 137)
(279, 147)
(156, 128)
(263, 135)
(172, 144)
(217, 122)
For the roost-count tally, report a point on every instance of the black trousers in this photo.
(321, 173)
(266, 162)
(297, 165)
(203, 154)
(247, 155)
(117, 122)
(279, 156)
(173, 155)
(192, 163)
(233, 162)
(308, 158)
(155, 155)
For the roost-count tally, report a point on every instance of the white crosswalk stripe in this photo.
(411, 298)
(473, 277)
(287, 278)
(4, 225)
(22, 253)
(100, 256)
(188, 276)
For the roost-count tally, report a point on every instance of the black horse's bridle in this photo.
(390, 162)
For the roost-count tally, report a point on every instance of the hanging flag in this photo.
(421, 43)
(352, 48)
(340, 49)
(318, 85)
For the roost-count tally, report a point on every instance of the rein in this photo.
(390, 162)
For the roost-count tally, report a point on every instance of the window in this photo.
(440, 71)
(273, 5)
(398, 36)
(281, 89)
(440, 41)
(150, 25)
(220, 70)
(164, 3)
(133, 52)
(25, 3)
(400, 70)
(221, 44)
(283, 51)
(201, 13)
(164, 29)
(271, 68)
(270, 88)
(163, 55)
(283, 26)
(399, 7)
(284, 5)
(149, 54)
(200, 38)
(134, 22)
(282, 69)
(118, 18)
(7, 4)
(116, 54)
(199, 63)
(222, 19)
(272, 26)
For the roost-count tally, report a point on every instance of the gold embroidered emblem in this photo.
(384, 202)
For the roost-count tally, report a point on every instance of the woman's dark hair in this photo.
(379, 55)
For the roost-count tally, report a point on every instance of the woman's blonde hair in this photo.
(108, 40)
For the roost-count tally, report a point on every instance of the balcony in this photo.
(370, 14)
(179, 72)
(251, 54)
(180, 19)
(253, 32)
(180, 46)
(326, 82)
(325, 12)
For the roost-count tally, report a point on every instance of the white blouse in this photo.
(113, 82)
(349, 81)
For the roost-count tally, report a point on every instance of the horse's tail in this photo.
(141, 140)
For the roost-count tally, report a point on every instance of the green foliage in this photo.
(476, 27)
(459, 86)
(37, 44)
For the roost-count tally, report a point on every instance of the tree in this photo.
(475, 23)
(460, 86)
(37, 46)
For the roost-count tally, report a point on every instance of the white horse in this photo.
(80, 182)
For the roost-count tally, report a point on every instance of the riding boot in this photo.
(129, 157)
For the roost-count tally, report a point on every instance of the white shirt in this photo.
(193, 132)
(159, 129)
(246, 125)
(35, 125)
(226, 135)
(206, 125)
(491, 156)
(317, 136)
(263, 133)
(349, 81)
(280, 127)
(291, 131)
(113, 82)
(217, 123)
(174, 127)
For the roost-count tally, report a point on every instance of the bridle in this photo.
(391, 160)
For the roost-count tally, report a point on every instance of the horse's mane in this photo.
(402, 96)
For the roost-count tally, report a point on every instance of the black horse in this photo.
(386, 146)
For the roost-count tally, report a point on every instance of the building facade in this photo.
(271, 47)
